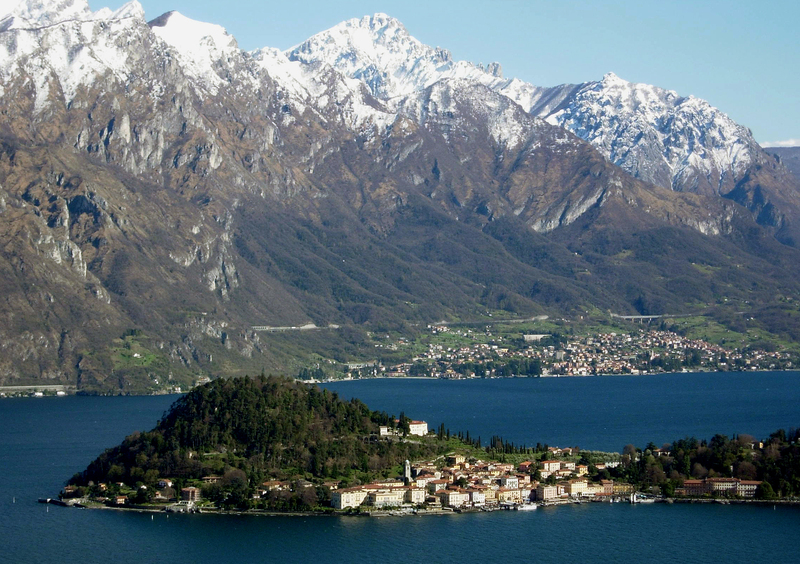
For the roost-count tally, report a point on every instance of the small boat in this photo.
(525, 507)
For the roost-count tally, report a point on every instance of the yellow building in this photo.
(512, 495)
(576, 487)
(622, 488)
(386, 497)
(545, 492)
(415, 495)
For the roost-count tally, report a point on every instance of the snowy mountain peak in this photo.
(656, 135)
(64, 41)
(366, 70)
(378, 21)
(185, 33)
(32, 14)
(624, 96)
(39, 13)
(612, 79)
(379, 51)
(130, 10)
(199, 46)
(378, 39)
(495, 69)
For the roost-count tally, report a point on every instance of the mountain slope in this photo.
(682, 143)
(789, 156)
(277, 428)
(162, 192)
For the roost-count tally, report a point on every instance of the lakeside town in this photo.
(463, 484)
(645, 351)
(451, 483)
(459, 483)
(458, 352)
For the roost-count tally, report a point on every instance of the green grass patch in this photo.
(705, 268)
(131, 351)
(622, 255)
(707, 329)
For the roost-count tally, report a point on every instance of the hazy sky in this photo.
(742, 56)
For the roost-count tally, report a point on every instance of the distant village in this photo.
(642, 352)
(542, 355)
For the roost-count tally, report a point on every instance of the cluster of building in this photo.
(651, 351)
(607, 353)
(725, 487)
(479, 484)
(466, 485)
(635, 353)
(55, 390)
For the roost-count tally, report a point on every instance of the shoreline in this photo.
(4, 389)
(548, 376)
(420, 512)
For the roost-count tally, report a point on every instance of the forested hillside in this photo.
(267, 427)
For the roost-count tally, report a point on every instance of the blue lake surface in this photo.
(594, 413)
(44, 441)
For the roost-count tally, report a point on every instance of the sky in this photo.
(740, 55)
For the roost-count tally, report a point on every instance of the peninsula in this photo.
(275, 444)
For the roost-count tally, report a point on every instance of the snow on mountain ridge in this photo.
(198, 46)
(27, 14)
(292, 76)
(322, 90)
(655, 134)
(379, 51)
(42, 13)
(462, 105)
(65, 40)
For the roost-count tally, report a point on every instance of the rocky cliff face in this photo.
(789, 157)
(162, 191)
(656, 135)
(682, 143)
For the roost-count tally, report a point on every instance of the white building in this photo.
(453, 498)
(476, 497)
(510, 482)
(415, 495)
(533, 338)
(551, 465)
(747, 488)
(387, 497)
(419, 428)
(350, 497)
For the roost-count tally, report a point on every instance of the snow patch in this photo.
(65, 41)
(200, 47)
(654, 133)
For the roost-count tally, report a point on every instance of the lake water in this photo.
(595, 413)
(44, 441)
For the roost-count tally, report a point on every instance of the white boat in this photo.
(525, 507)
